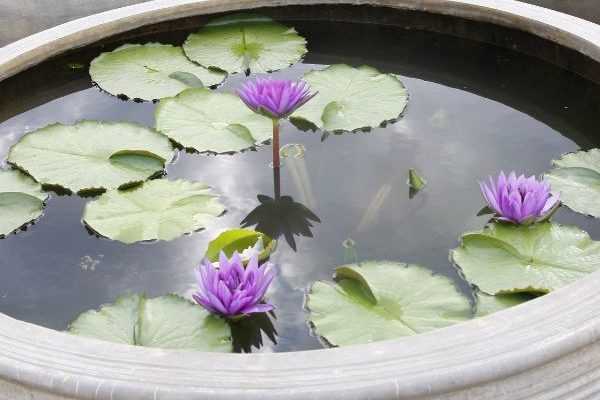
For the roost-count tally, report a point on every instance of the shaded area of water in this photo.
(474, 110)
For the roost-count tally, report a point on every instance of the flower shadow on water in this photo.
(249, 332)
(281, 216)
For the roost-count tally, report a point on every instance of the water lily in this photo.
(276, 99)
(519, 199)
(231, 290)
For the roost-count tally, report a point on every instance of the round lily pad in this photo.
(168, 322)
(243, 241)
(203, 120)
(92, 155)
(352, 98)
(488, 304)
(506, 258)
(21, 200)
(158, 210)
(381, 300)
(149, 72)
(242, 42)
(577, 180)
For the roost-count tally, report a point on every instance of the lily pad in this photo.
(577, 180)
(352, 98)
(203, 120)
(487, 304)
(240, 240)
(158, 210)
(506, 258)
(381, 300)
(168, 322)
(91, 155)
(21, 200)
(149, 72)
(242, 42)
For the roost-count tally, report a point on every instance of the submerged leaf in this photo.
(203, 120)
(149, 72)
(91, 155)
(240, 240)
(237, 43)
(381, 300)
(506, 258)
(576, 179)
(21, 200)
(168, 322)
(159, 209)
(352, 98)
(488, 304)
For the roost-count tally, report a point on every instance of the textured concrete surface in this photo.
(20, 18)
(546, 349)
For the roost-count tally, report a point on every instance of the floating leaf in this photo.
(148, 72)
(168, 322)
(381, 300)
(242, 42)
(487, 304)
(21, 200)
(506, 258)
(208, 121)
(352, 98)
(240, 240)
(415, 181)
(91, 155)
(159, 209)
(577, 180)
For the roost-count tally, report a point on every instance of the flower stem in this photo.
(276, 162)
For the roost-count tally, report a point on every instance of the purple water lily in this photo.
(276, 99)
(231, 290)
(519, 200)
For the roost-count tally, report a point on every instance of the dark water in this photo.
(474, 109)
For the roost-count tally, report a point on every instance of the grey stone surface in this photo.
(546, 349)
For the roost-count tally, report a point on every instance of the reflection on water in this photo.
(348, 186)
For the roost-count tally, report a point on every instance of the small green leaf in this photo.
(91, 155)
(576, 179)
(242, 42)
(487, 304)
(149, 72)
(158, 210)
(187, 78)
(21, 200)
(506, 258)
(168, 322)
(351, 98)
(203, 120)
(381, 300)
(240, 240)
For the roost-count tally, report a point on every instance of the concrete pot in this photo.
(548, 348)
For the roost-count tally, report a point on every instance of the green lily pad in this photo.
(158, 210)
(237, 43)
(381, 300)
(91, 155)
(506, 258)
(242, 241)
(149, 72)
(203, 120)
(577, 180)
(168, 322)
(487, 304)
(21, 200)
(352, 98)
